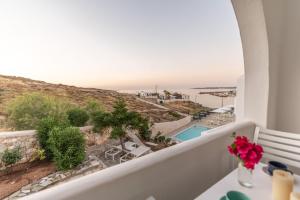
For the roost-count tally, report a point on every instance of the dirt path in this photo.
(154, 104)
(160, 106)
(16, 180)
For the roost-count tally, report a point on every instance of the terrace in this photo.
(267, 97)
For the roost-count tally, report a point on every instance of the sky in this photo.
(121, 44)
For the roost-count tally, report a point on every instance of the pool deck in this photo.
(211, 121)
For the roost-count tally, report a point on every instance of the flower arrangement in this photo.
(248, 153)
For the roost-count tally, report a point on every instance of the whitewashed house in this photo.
(163, 98)
(185, 97)
(147, 95)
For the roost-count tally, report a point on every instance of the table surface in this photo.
(262, 186)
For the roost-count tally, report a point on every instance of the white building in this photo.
(150, 95)
(163, 98)
(185, 96)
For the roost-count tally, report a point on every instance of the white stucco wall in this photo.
(288, 89)
(239, 102)
(180, 172)
(252, 26)
(274, 24)
(167, 127)
(271, 45)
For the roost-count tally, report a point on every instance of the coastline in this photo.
(206, 100)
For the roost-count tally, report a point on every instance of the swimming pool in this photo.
(190, 133)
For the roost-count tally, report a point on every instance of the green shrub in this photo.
(101, 120)
(160, 139)
(67, 145)
(174, 114)
(77, 117)
(143, 128)
(11, 157)
(44, 129)
(168, 140)
(93, 107)
(41, 155)
(25, 111)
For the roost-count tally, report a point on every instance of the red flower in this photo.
(252, 156)
(249, 165)
(232, 149)
(258, 148)
(241, 139)
(249, 153)
(243, 145)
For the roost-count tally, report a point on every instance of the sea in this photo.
(206, 100)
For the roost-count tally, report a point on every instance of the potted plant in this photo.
(248, 155)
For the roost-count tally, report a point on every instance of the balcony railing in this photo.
(182, 171)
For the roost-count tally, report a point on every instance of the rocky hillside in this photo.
(10, 87)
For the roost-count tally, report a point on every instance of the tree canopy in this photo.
(121, 120)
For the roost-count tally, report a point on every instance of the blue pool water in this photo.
(190, 133)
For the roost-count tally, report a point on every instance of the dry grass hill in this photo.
(11, 86)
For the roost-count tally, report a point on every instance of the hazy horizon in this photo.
(133, 44)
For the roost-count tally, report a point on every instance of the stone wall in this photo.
(28, 142)
(168, 127)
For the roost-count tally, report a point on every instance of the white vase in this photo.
(244, 176)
